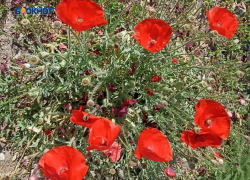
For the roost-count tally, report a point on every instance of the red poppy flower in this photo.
(156, 78)
(153, 145)
(153, 34)
(80, 107)
(48, 133)
(120, 110)
(212, 117)
(94, 53)
(170, 172)
(223, 21)
(133, 68)
(102, 134)
(72, 131)
(174, 60)
(129, 102)
(149, 92)
(113, 152)
(201, 139)
(216, 155)
(80, 15)
(82, 118)
(63, 163)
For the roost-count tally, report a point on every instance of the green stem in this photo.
(79, 41)
(184, 15)
(166, 9)
(195, 39)
(37, 38)
(168, 15)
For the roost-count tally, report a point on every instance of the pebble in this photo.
(2, 157)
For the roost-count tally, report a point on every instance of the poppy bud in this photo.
(40, 69)
(164, 103)
(112, 171)
(203, 84)
(191, 19)
(211, 81)
(117, 45)
(191, 165)
(187, 27)
(25, 22)
(197, 129)
(85, 81)
(25, 66)
(240, 74)
(119, 35)
(213, 33)
(34, 60)
(43, 54)
(90, 103)
(205, 4)
(57, 25)
(40, 121)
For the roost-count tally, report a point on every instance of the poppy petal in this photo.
(212, 117)
(102, 134)
(153, 145)
(80, 15)
(223, 21)
(201, 139)
(114, 152)
(153, 34)
(78, 118)
(63, 163)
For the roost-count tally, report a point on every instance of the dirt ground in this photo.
(8, 49)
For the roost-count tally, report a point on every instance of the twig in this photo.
(22, 156)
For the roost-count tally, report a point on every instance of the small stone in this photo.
(2, 157)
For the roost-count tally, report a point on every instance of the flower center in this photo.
(79, 20)
(153, 41)
(149, 148)
(62, 170)
(208, 122)
(218, 24)
(103, 142)
(85, 118)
